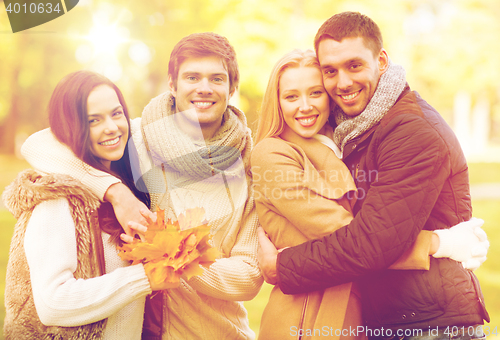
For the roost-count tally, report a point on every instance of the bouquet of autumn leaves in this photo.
(168, 252)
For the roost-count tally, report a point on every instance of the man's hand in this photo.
(466, 242)
(267, 256)
(127, 207)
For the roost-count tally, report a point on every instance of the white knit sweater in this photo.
(206, 307)
(53, 157)
(60, 299)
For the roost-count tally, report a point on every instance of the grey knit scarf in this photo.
(173, 149)
(389, 88)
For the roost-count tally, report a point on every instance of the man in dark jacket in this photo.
(411, 175)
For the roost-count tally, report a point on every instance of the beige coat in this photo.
(300, 193)
(21, 197)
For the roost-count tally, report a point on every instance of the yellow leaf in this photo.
(192, 269)
(190, 241)
(127, 256)
(203, 245)
(168, 252)
(185, 258)
(192, 218)
(157, 271)
(160, 220)
(147, 252)
(168, 242)
(173, 278)
(208, 257)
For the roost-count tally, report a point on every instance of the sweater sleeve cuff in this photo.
(139, 279)
(99, 185)
(417, 256)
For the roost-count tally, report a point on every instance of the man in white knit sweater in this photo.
(194, 150)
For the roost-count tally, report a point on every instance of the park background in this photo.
(449, 48)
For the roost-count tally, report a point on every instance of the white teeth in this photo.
(307, 120)
(203, 104)
(110, 142)
(350, 96)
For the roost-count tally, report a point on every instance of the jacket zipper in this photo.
(303, 316)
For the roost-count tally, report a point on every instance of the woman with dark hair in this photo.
(64, 276)
(71, 124)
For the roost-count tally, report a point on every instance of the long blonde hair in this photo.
(271, 121)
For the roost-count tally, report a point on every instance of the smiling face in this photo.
(108, 126)
(303, 101)
(350, 72)
(202, 93)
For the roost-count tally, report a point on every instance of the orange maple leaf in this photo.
(208, 257)
(193, 269)
(169, 252)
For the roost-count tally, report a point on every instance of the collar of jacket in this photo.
(356, 142)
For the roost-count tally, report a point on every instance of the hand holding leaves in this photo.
(168, 252)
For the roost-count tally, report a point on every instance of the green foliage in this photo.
(484, 173)
(489, 273)
(445, 46)
(10, 166)
(256, 307)
(7, 222)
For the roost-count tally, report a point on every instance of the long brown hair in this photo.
(69, 122)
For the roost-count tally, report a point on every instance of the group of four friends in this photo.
(358, 182)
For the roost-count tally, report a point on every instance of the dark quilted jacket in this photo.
(411, 175)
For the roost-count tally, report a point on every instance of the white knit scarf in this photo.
(389, 88)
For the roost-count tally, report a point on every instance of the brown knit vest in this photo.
(20, 197)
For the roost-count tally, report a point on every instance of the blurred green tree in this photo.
(446, 46)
